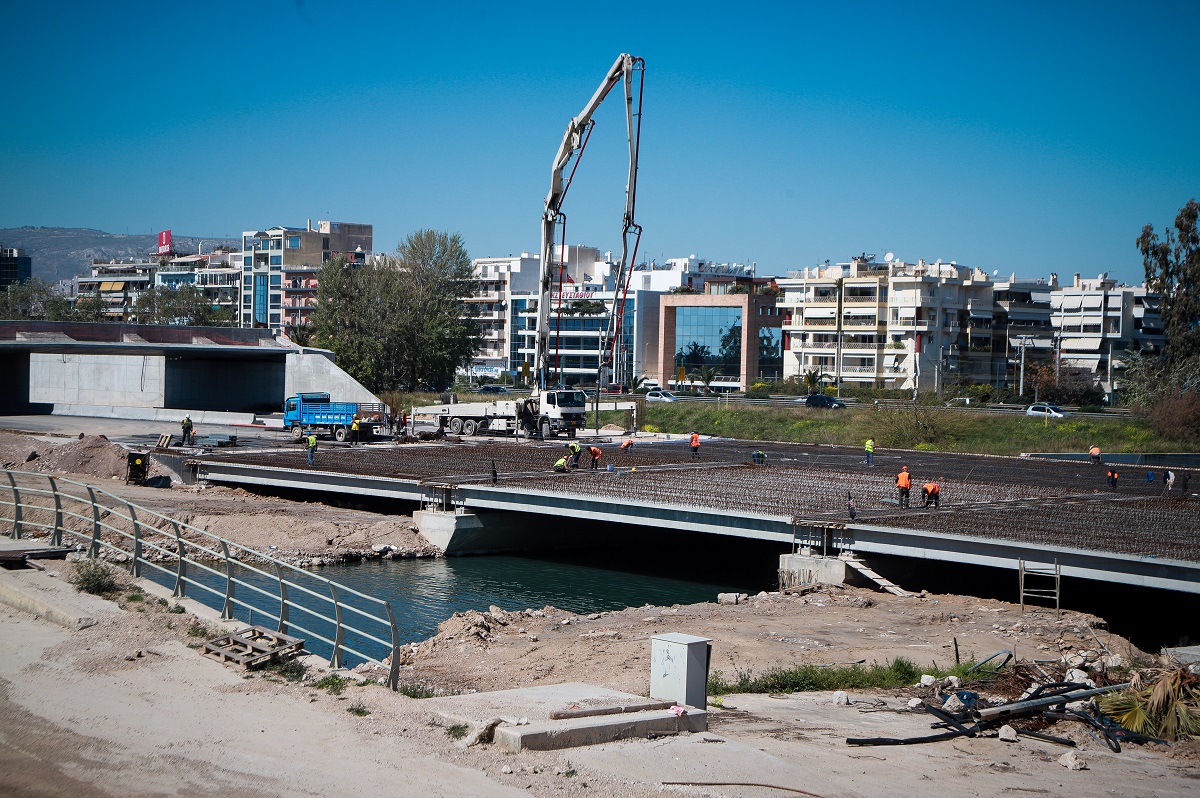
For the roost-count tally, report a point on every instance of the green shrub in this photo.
(333, 683)
(899, 672)
(293, 670)
(176, 609)
(96, 577)
(136, 595)
(358, 709)
(456, 731)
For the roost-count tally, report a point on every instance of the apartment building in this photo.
(117, 284)
(279, 269)
(889, 325)
(1094, 321)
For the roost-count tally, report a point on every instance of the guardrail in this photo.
(196, 560)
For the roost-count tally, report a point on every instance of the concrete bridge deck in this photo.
(994, 510)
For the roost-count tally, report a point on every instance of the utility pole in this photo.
(1021, 386)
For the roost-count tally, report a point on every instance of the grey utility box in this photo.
(679, 668)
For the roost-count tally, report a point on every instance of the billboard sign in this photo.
(164, 242)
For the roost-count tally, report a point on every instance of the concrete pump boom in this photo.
(573, 140)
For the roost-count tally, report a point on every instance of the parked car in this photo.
(617, 388)
(821, 400)
(1046, 411)
(661, 396)
(492, 389)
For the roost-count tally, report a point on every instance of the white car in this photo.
(661, 396)
(1046, 411)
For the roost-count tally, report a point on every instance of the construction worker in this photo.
(575, 450)
(627, 446)
(186, 426)
(904, 485)
(758, 457)
(1112, 477)
(311, 441)
(1094, 454)
(596, 454)
(354, 423)
(869, 448)
(561, 465)
(932, 493)
(695, 444)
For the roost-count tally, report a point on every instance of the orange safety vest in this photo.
(594, 452)
(695, 439)
(627, 444)
(903, 480)
(932, 488)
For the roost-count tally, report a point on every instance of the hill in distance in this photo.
(60, 253)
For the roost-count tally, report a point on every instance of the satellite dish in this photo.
(995, 272)
(888, 257)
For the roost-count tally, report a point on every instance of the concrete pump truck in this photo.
(551, 409)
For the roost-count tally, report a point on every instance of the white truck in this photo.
(551, 410)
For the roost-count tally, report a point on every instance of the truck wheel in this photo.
(456, 425)
(470, 427)
(339, 434)
(297, 433)
(547, 433)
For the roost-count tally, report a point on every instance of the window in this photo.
(325, 243)
(276, 243)
(276, 280)
(248, 261)
(275, 319)
(293, 242)
(709, 336)
(276, 260)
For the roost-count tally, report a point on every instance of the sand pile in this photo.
(19, 451)
(94, 456)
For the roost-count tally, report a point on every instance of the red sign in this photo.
(164, 242)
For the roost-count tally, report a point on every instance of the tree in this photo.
(1173, 272)
(813, 379)
(400, 322)
(705, 375)
(34, 300)
(184, 305)
(693, 356)
(91, 308)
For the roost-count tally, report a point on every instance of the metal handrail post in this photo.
(135, 568)
(94, 549)
(339, 634)
(180, 564)
(227, 608)
(394, 667)
(283, 599)
(56, 535)
(16, 530)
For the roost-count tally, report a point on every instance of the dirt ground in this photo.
(141, 650)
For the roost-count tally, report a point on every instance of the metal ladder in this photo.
(1054, 572)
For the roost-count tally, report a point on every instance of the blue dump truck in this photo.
(314, 411)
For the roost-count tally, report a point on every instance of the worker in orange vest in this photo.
(595, 453)
(904, 485)
(627, 446)
(932, 493)
(695, 444)
(1094, 454)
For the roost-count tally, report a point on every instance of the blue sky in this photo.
(1017, 137)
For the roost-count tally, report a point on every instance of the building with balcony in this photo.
(117, 284)
(889, 325)
(279, 266)
(1095, 321)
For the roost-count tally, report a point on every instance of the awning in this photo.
(820, 313)
(1093, 301)
(981, 314)
(1081, 344)
(908, 313)
(105, 286)
(119, 286)
(1071, 302)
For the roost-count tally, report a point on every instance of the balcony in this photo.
(485, 296)
(818, 322)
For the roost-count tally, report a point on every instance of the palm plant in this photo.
(706, 375)
(813, 379)
(1159, 703)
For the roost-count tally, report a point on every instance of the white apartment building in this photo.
(891, 325)
(1095, 320)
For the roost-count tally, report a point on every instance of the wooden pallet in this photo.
(253, 647)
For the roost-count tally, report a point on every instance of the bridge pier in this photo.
(804, 569)
(458, 532)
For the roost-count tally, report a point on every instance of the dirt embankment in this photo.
(301, 533)
(834, 625)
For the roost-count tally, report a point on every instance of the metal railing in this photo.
(233, 577)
